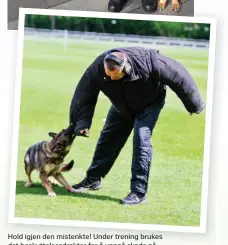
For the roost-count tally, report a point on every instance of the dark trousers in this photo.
(112, 139)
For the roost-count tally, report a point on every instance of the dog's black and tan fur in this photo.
(47, 157)
(176, 4)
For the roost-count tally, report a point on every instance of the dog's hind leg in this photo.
(29, 181)
(28, 171)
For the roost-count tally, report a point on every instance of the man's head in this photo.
(115, 65)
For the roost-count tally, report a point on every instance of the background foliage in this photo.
(134, 27)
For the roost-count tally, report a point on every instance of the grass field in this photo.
(50, 75)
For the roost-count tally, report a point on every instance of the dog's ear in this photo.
(51, 134)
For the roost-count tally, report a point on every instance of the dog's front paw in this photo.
(176, 7)
(51, 194)
(161, 5)
(72, 190)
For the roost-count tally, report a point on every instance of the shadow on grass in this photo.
(38, 189)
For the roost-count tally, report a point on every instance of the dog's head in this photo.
(61, 142)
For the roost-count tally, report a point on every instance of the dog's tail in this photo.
(67, 167)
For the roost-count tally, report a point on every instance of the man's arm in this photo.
(83, 102)
(181, 82)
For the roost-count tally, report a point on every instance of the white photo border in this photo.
(17, 98)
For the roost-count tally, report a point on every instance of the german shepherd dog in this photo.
(175, 4)
(47, 158)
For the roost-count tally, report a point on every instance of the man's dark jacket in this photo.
(142, 88)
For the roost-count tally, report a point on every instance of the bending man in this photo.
(135, 80)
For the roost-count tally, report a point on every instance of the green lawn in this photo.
(50, 75)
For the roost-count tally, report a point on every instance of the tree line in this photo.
(120, 26)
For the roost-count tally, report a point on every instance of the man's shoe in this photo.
(133, 198)
(116, 5)
(149, 5)
(88, 183)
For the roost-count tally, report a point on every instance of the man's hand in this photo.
(84, 132)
